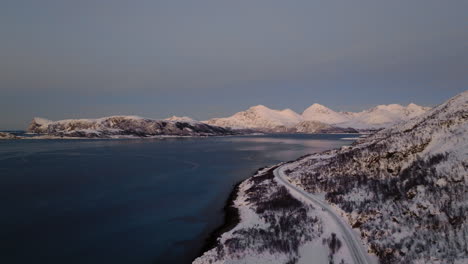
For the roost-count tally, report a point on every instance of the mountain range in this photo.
(401, 191)
(265, 119)
(123, 126)
(315, 119)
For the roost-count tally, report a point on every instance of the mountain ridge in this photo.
(121, 126)
(261, 117)
(403, 190)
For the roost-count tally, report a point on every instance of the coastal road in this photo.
(353, 243)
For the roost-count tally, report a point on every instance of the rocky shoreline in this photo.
(231, 216)
(6, 135)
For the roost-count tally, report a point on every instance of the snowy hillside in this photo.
(382, 116)
(259, 117)
(265, 119)
(320, 113)
(181, 119)
(403, 190)
(275, 227)
(310, 127)
(117, 126)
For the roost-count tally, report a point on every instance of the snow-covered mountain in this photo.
(265, 119)
(261, 118)
(117, 126)
(382, 116)
(403, 189)
(320, 113)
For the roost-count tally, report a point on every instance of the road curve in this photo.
(353, 243)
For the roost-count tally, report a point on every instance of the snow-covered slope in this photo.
(268, 120)
(310, 127)
(275, 227)
(115, 126)
(320, 113)
(181, 119)
(403, 189)
(261, 118)
(382, 116)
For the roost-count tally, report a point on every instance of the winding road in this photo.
(358, 253)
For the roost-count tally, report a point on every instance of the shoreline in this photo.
(231, 219)
(231, 213)
(38, 136)
(115, 137)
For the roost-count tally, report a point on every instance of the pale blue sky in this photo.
(68, 59)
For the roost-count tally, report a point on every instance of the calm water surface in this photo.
(127, 201)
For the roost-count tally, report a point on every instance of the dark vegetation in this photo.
(288, 224)
(334, 244)
(410, 197)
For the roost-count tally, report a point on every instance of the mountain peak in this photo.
(41, 121)
(317, 106)
(416, 107)
(260, 116)
(318, 112)
(259, 107)
(388, 107)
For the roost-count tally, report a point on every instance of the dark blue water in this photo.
(127, 201)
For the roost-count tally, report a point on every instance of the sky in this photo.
(70, 59)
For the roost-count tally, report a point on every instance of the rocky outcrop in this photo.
(5, 135)
(311, 127)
